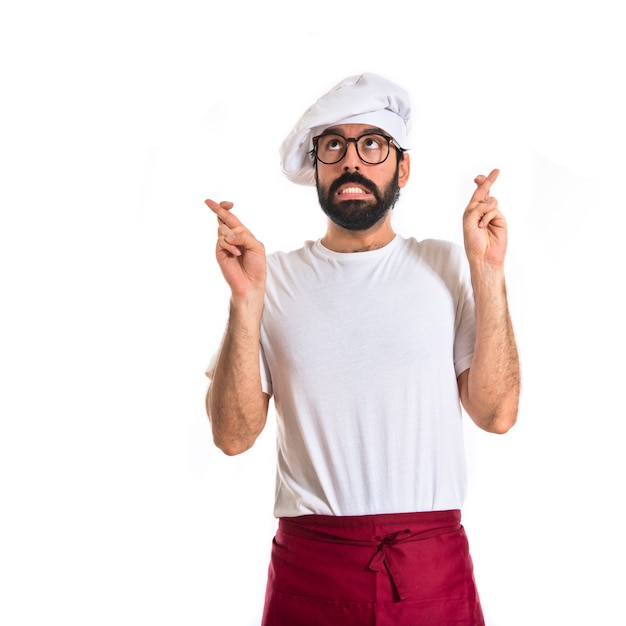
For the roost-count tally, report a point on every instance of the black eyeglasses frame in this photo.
(388, 138)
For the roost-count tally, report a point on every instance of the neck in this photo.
(339, 239)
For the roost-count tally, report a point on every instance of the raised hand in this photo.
(484, 227)
(489, 389)
(240, 256)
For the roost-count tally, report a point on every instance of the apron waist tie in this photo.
(390, 552)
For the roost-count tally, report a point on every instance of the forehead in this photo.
(352, 130)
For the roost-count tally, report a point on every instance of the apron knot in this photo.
(383, 557)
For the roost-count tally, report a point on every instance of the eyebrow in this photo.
(367, 131)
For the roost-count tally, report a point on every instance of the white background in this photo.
(118, 119)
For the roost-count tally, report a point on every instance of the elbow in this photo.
(235, 429)
(495, 416)
(498, 422)
(231, 448)
(233, 440)
(499, 426)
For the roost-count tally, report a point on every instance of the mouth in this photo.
(352, 191)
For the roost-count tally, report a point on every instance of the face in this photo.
(355, 195)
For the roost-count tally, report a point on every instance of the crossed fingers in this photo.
(229, 227)
(480, 198)
(484, 186)
(222, 211)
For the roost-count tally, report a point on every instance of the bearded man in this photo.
(369, 343)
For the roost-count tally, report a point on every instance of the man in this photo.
(368, 343)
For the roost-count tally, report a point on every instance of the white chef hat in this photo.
(362, 99)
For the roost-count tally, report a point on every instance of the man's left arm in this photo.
(490, 388)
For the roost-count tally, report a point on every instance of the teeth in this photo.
(352, 190)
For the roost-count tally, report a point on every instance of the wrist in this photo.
(487, 277)
(247, 306)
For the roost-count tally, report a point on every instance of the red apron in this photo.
(410, 569)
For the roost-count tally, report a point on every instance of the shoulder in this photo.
(281, 257)
(281, 264)
(435, 250)
(441, 258)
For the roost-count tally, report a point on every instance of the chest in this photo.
(341, 324)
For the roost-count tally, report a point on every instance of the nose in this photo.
(351, 160)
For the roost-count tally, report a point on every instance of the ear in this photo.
(404, 170)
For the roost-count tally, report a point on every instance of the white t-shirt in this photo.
(361, 352)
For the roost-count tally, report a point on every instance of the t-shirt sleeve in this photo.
(465, 327)
(210, 370)
(266, 377)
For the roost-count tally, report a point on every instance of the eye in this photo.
(371, 142)
(333, 143)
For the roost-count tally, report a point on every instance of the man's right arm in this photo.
(236, 404)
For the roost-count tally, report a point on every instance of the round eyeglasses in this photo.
(372, 148)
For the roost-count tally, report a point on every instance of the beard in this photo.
(358, 214)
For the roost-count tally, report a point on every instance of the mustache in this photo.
(353, 177)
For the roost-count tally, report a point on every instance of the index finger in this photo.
(222, 210)
(484, 185)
